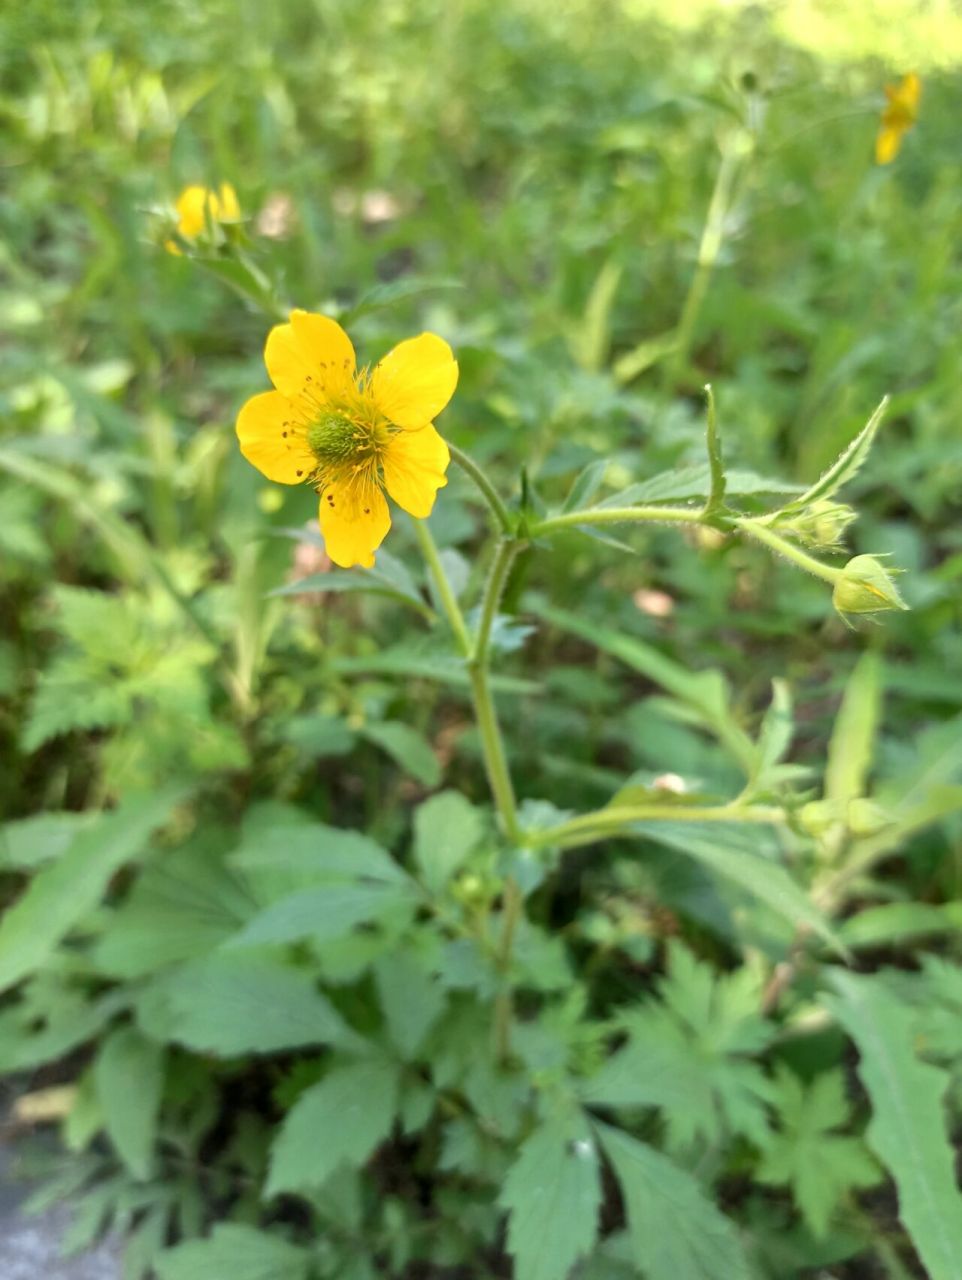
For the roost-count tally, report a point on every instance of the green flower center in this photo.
(334, 438)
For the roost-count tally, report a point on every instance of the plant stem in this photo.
(761, 533)
(716, 495)
(712, 238)
(504, 556)
(618, 515)
(495, 759)
(452, 610)
(503, 1005)
(487, 489)
(588, 827)
(492, 744)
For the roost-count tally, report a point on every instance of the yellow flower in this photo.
(351, 433)
(900, 114)
(196, 205)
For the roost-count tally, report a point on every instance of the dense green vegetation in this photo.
(324, 1006)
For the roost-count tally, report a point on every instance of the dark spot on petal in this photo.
(300, 473)
(367, 511)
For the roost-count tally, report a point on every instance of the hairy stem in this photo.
(486, 488)
(495, 758)
(709, 247)
(762, 533)
(616, 820)
(618, 515)
(504, 1005)
(452, 610)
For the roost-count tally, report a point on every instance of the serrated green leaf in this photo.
(691, 483)
(820, 1166)
(553, 1196)
(129, 1078)
(412, 999)
(441, 667)
(29, 842)
(894, 922)
(409, 749)
(32, 1032)
(731, 850)
(845, 466)
(389, 577)
(447, 829)
(339, 1121)
(394, 291)
(586, 484)
(64, 891)
(318, 736)
(145, 1243)
(689, 1054)
(775, 735)
(676, 1231)
(284, 858)
(184, 905)
(234, 1252)
(853, 735)
(69, 698)
(232, 1003)
(324, 912)
(908, 1131)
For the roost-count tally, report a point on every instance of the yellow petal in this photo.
(909, 91)
(414, 465)
(414, 382)
(272, 441)
(312, 355)
(887, 145)
(190, 208)
(227, 208)
(354, 523)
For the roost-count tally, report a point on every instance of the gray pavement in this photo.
(30, 1246)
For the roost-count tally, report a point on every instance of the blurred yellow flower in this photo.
(196, 204)
(351, 433)
(900, 114)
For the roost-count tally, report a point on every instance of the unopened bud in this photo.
(818, 816)
(866, 586)
(822, 524)
(866, 818)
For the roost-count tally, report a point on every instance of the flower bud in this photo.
(818, 816)
(866, 818)
(866, 586)
(823, 523)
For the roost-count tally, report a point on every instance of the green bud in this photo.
(822, 524)
(818, 816)
(866, 818)
(866, 586)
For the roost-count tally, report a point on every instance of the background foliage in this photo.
(253, 885)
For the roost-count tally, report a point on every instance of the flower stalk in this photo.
(492, 742)
(446, 596)
(487, 490)
(619, 819)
